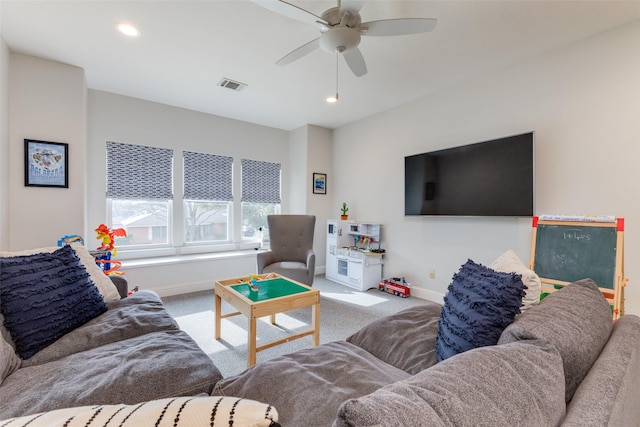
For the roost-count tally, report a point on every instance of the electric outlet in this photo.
(432, 274)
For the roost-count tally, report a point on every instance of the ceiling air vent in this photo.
(232, 84)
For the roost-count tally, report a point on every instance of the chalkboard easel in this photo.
(566, 249)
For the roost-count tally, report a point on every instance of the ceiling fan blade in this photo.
(299, 52)
(291, 11)
(355, 61)
(352, 6)
(398, 27)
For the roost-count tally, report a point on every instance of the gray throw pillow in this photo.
(517, 384)
(577, 320)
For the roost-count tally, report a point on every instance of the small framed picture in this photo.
(46, 164)
(319, 183)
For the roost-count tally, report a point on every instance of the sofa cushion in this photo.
(105, 286)
(44, 296)
(309, 385)
(152, 366)
(175, 411)
(479, 304)
(406, 340)
(576, 319)
(9, 360)
(509, 262)
(141, 313)
(518, 384)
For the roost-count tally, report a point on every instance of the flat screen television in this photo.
(491, 178)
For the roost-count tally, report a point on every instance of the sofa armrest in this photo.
(121, 284)
(608, 395)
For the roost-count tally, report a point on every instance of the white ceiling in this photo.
(187, 47)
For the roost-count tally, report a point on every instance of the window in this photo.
(260, 197)
(208, 196)
(140, 199)
(139, 193)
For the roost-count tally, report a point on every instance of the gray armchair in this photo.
(291, 253)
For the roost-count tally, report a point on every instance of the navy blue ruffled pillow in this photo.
(479, 304)
(44, 296)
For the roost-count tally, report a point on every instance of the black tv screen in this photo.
(492, 178)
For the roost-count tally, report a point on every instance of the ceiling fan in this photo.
(340, 30)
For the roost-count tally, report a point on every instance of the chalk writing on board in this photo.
(576, 234)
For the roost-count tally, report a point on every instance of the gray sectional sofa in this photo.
(562, 362)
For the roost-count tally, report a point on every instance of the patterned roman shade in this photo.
(260, 181)
(139, 172)
(207, 176)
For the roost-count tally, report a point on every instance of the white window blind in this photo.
(139, 172)
(260, 181)
(207, 177)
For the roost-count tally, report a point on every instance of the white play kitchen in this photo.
(354, 257)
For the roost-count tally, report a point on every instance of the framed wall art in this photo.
(46, 164)
(319, 183)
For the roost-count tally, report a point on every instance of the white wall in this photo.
(310, 149)
(298, 148)
(4, 145)
(319, 159)
(582, 101)
(48, 102)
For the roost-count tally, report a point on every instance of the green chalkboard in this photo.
(572, 252)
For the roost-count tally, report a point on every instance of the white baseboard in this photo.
(428, 295)
(185, 288)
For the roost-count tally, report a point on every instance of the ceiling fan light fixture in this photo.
(340, 39)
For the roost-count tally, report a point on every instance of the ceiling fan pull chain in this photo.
(337, 61)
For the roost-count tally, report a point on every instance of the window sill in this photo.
(180, 259)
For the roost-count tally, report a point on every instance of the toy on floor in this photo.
(396, 286)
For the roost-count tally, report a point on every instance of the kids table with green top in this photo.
(274, 294)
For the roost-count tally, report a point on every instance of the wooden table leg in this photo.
(273, 319)
(315, 323)
(252, 342)
(218, 308)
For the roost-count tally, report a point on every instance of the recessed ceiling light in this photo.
(128, 29)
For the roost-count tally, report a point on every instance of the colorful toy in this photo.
(396, 286)
(70, 238)
(108, 237)
(253, 282)
(108, 249)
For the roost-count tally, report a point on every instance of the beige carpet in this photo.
(343, 311)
